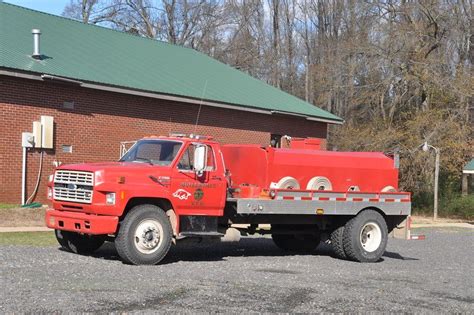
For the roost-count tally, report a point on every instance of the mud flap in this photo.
(174, 223)
(402, 230)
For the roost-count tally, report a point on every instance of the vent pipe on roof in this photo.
(36, 43)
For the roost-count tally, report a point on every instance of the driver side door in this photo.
(194, 194)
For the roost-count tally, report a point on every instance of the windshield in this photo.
(156, 152)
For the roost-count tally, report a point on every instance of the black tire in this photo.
(79, 243)
(61, 238)
(129, 246)
(353, 238)
(337, 243)
(297, 242)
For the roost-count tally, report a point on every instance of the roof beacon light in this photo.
(36, 43)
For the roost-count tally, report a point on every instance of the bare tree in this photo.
(275, 13)
(383, 66)
(89, 11)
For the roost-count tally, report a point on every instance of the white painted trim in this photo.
(162, 96)
(468, 172)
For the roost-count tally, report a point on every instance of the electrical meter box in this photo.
(37, 133)
(27, 140)
(47, 126)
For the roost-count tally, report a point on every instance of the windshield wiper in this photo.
(144, 159)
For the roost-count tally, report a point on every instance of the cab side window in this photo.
(187, 159)
(211, 164)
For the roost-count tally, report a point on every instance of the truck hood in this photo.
(112, 166)
(107, 173)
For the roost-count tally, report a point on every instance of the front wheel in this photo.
(79, 243)
(365, 237)
(145, 236)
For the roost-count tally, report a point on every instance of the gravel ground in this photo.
(435, 275)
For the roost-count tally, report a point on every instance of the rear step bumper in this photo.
(81, 222)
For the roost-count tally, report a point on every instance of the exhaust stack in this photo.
(36, 43)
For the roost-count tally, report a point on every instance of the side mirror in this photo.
(200, 158)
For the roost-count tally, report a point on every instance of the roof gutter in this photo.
(278, 112)
(47, 77)
(329, 121)
(60, 79)
(310, 118)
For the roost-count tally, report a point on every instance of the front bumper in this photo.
(81, 222)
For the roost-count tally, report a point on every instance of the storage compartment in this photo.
(305, 143)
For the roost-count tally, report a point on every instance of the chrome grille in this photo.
(74, 177)
(73, 186)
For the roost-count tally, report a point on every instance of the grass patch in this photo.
(8, 206)
(28, 238)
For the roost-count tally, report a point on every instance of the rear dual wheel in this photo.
(364, 237)
(337, 242)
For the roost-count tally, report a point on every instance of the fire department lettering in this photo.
(181, 194)
(198, 185)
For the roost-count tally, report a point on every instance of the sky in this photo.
(50, 6)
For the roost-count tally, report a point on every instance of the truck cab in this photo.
(183, 176)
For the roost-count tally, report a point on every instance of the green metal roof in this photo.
(469, 166)
(100, 55)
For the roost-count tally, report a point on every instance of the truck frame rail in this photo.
(309, 202)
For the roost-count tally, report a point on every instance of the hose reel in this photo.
(389, 189)
(319, 183)
(287, 182)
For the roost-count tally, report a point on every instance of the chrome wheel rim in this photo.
(370, 237)
(148, 236)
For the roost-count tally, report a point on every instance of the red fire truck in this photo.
(166, 189)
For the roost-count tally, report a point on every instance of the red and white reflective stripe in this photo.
(354, 199)
(417, 237)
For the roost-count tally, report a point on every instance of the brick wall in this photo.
(101, 120)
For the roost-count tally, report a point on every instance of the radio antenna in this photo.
(171, 124)
(200, 105)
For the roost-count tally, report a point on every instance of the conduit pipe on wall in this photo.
(23, 177)
(40, 169)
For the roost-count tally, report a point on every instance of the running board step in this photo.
(201, 234)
